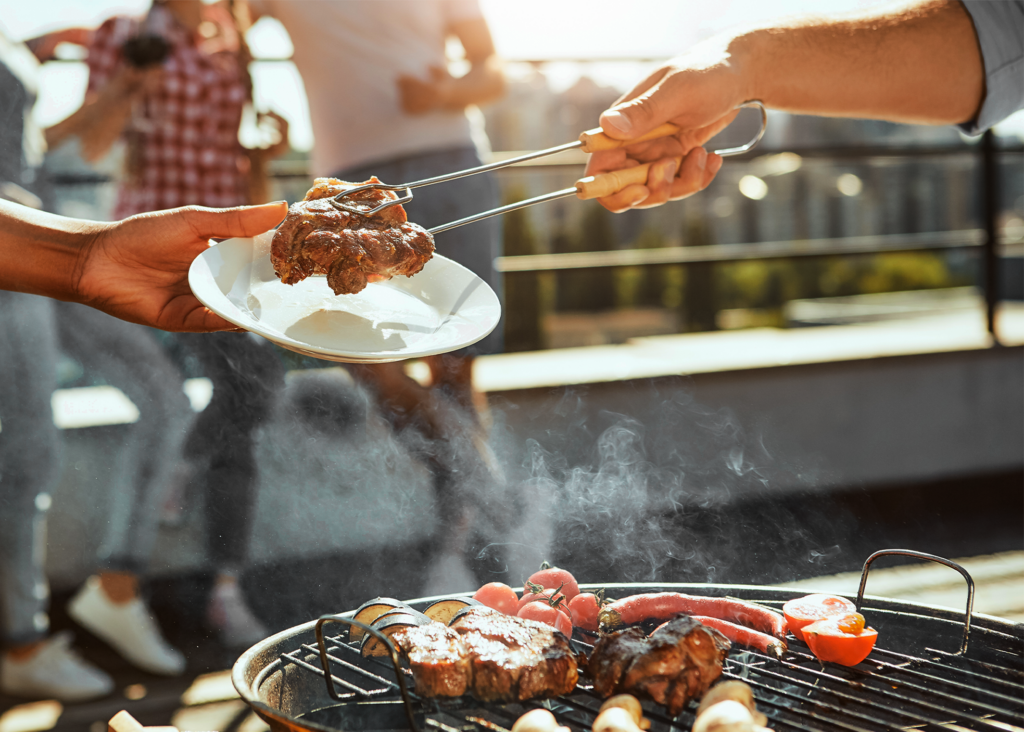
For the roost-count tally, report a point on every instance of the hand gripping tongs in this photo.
(597, 186)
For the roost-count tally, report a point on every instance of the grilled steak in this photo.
(317, 238)
(437, 657)
(679, 661)
(516, 659)
(495, 657)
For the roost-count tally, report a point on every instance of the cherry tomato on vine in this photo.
(553, 578)
(584, 609)
(544, 612)
(499, 596)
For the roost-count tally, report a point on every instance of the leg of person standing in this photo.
(247, 376)
(33, 664)
(110, 604)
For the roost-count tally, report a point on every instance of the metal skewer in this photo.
(592, 187)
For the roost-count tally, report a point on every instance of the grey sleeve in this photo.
(999, 25)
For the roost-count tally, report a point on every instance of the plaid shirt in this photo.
(187, 128)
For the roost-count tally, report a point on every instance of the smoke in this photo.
(659, 488)
(671, 491)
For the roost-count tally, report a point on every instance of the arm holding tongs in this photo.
(597, 186)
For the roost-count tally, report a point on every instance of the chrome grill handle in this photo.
(931, 558)
(325, 662)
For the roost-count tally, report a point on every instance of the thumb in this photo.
(224, 223)
(637, 116)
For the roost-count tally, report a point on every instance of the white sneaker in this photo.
(129, 629)
(229, 615)
(54, 671)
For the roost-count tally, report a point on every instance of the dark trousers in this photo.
(247, 375)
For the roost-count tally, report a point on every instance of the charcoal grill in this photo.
(932, 668)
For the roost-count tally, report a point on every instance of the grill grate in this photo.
(910, 681)
(890, 690)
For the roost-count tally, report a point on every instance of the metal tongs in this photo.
(598, 186)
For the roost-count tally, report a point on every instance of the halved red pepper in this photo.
(803, 611)
(841, 639)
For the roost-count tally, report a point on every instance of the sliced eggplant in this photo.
(478, 608)
(444, 610)
(399, 611)
(371, 610)
(372, 645)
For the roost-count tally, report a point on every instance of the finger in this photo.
(691, 174)
(625, 199)
(195, 318)
(602, 162)
(224, 223)
(706, 133)
(660, 180)
(711, 168)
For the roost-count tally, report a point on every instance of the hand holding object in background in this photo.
(419, 97)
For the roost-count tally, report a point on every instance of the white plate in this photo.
(443, 308)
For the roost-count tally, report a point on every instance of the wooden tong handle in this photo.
(605, 184)
(596, 141)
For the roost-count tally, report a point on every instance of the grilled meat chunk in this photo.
(495, 657)
(437, 657)
(317, 238)
(679, 661)
(516, 659)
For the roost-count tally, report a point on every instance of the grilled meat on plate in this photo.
(317, 238)
(495, 657)
(679, 661)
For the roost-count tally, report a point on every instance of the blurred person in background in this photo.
(383, 102)
(42, 254)
(34, 662)
(173, 87)
(937, 62)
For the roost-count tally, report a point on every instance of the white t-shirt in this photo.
(350, 55)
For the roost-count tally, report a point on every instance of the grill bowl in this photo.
(913, 677)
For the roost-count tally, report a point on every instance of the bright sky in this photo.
(522, 29)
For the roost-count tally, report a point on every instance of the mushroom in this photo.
(631, 705)
(734, 691)
(538, 720)
(615, 719)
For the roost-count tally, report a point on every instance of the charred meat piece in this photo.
(437, 657)
(515, 659)
(317, 238)
(494, 656)
(679, 661)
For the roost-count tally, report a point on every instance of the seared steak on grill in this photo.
(437, 657)
(317, 238)
(495, 657)
(516, 659)
(679, 661)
